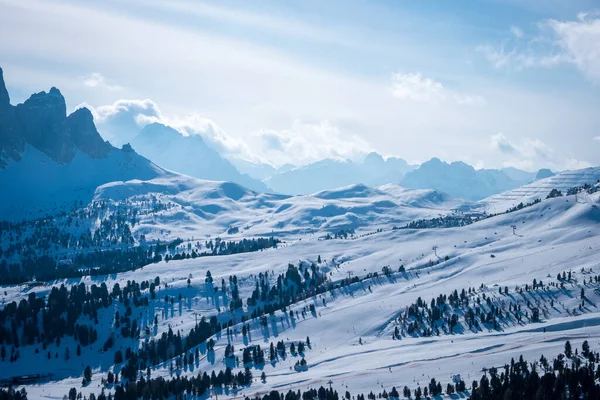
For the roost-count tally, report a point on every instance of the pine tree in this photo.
(585, 348)
(87, 375)
(568, 349)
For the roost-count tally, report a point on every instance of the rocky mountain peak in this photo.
(4, 98)
(84, 134)
(43, 119)
(11, 140)
(42, 122)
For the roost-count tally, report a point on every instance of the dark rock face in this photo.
(43, 118)
(42, 122)
(84, 134)
(11, 140)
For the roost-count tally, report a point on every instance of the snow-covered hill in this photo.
(352, 325)
(352, 296)
(42, 186)
(206, 208)
(540, 189)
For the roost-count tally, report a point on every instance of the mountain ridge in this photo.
(189, 155)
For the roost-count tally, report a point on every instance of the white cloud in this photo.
(515, 30)
(213, 134)
(247, 85)
(97, 80)
(413, 86)
(571, 164)
(528, 148)
(597, 138)
(530, 153)
(501, 143)
(580, 41)
(121, 121)
(418, 88)
(499, 57)
(559, 42)
(307, 142)
(300, 144)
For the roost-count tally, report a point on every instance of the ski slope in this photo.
(551, 237)
(541, 188)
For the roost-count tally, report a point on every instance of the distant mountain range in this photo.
(327, 174)
(462, 180)
(51, 158)
(189, 155)
(457, 179)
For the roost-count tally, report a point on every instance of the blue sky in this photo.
(492, 83)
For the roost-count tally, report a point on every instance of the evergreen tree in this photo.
(568, 349)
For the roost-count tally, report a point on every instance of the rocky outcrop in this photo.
(11, 139)
(84, 135)
(42, 122)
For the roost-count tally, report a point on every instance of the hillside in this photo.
(542, 188)
(348, 330)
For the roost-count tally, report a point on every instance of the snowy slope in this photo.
(206, 208)
(41, 186)
(551, 237)
(541, 188)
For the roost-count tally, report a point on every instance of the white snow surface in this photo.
(541, 188)
(208, 208)
(40, 186)
(553, 236)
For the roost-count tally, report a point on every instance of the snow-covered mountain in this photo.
(519, 175)
(460, 179)
(543, 174)
(258, 171)
(327, 174)
(189, 155)
(49, 160)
